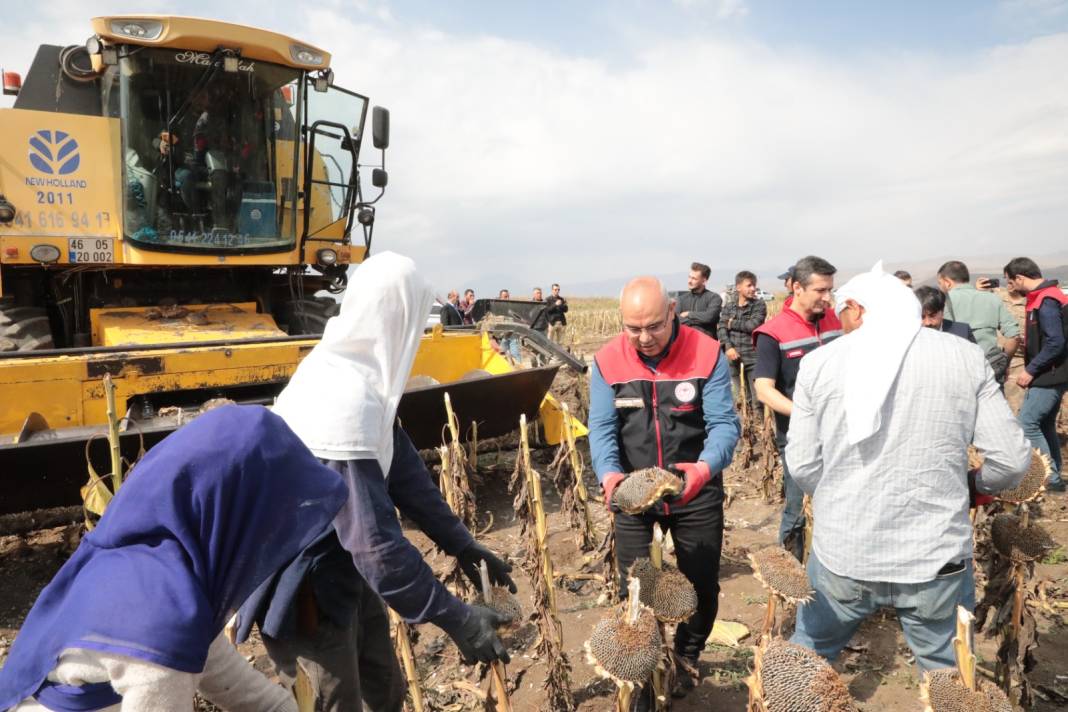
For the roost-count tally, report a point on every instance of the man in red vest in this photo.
(805, 323)
(1045, 374)
(660, 395)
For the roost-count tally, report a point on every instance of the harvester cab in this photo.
(180, 201)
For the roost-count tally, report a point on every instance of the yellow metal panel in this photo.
(61, 172)
(201, 35)
(68, 390)
(134, 256)
(134, 326)
(447, 357)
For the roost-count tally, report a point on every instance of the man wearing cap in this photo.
(660, 396)
(882, 420)
(805, 323)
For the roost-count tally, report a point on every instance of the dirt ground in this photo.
(876, 665)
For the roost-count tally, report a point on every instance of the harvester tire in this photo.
(24, 329)
(308, 316)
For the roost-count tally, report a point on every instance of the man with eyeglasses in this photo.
(660, 396)
(805, 323)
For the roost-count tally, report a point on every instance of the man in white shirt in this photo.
(881, 423)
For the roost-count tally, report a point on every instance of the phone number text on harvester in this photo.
(55, 219)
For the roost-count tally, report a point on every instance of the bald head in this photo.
(642, 291)
(647, 314)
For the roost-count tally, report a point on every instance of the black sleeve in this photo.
(769, 357)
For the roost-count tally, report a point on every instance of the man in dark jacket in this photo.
(741, 316)
(933, 306)
(1045, 374)
(450, 311)
(699, 308)
(556, 314)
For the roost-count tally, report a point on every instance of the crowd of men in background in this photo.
(550, 320)
(874, 411)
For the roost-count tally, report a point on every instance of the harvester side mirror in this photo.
(379, 178)
(380, 128)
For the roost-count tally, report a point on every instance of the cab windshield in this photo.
(210, 156)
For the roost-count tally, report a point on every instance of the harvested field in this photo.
(876, 666)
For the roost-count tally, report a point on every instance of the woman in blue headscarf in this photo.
(133, 620)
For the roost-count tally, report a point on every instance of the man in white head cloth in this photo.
(325, 609)
(881, 424)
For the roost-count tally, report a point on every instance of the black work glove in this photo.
(477, 638)
(498, 569)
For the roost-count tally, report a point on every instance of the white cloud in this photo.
(512, 164)
(566, 167)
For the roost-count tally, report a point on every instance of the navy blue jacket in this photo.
(375, 552)
(958, 328)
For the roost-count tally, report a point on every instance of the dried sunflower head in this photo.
(943, 691)
(1017, 542)
(506, 604)
(623, 652)
(792, 678)
(1033, 482)
(780, 572)
(641, 489)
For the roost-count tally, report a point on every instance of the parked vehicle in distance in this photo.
(434, 317)
(764, 295)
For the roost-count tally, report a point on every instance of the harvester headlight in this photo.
(138, 29)
(45, 254)
(326, 256)
(305, 55)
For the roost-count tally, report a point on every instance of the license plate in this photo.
(91, 250)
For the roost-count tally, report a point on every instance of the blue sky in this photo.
(586, 141)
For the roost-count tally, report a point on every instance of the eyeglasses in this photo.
(651, 329)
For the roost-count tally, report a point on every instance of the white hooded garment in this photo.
(343, 398)
(875, 351)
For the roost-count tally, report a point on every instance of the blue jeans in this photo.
(1038, 418)
(510, 344)
(927, 612)
(792, 526)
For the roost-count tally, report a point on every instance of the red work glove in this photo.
(697, 476)
(609, 484)
(976, 498)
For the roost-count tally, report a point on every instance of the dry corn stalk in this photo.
(96, 494)
(498, 672)
(771, 480)
(567, 469)
(1008, 599)
(550, 645)
(456, 473)
(403, 643)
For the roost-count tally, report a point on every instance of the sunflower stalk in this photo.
(403, 642)
(497, 670)
(550, 646)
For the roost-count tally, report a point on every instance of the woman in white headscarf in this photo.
(326, 607)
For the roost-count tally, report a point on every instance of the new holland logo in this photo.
(54, 152)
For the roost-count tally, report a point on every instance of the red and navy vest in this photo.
(1033, 340)
(661, 418)
(797, 336)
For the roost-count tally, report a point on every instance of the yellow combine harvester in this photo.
(179, 199)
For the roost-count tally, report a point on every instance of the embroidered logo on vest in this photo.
(630, 403)
(685, 392)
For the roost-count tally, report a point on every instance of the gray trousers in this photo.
(350, 668)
